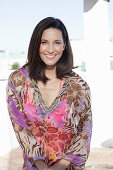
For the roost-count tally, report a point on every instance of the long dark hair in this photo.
(36, 65)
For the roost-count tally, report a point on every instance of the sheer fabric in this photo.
(61, 131)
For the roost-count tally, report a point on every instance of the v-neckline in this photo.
(56, 101)
(38, 96)
(41, 97)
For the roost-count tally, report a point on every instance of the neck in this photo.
(50, 72)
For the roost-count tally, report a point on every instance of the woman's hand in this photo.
(61, 165)
(41, 165)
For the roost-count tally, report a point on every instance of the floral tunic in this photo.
(61, 131)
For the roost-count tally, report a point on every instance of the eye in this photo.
(43, 42)
(58, 42)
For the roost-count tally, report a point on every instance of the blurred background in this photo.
(90, 27)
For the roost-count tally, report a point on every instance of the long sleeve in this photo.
(78, 152)
(31, 149)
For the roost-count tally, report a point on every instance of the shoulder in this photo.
(78, 91)
(78, 83)
(17, 78)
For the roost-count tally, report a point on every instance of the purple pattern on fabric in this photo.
(75, 159)
(30, 111)
(14, 110)
(17, 114)
(88, 128)
(59, 113)
(23, 71)
(40, 112)
(81, 105)
(28, 163)
(81, 102)
(12, 87)
(21, 123)
(38, 158)
(55, 118)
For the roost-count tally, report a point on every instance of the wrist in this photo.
(41, 164)
(64, 162)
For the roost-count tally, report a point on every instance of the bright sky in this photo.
(18, 19)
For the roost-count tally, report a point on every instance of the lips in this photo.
(50, 57)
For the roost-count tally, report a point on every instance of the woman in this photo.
(49, 104)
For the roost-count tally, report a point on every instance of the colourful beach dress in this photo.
(61, 131)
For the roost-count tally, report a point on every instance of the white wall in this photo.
(99, 76)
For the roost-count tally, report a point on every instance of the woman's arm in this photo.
(78, 153)
(62, 164)
(31, 149)
(41, 165)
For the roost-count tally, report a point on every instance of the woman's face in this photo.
(51, 47)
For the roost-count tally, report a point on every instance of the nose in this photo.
(50, 48)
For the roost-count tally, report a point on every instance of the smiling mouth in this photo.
(50, 56)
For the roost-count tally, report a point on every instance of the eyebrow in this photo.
(47, 40)
(43, 40)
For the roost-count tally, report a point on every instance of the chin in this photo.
(50, 63)
(52, 66)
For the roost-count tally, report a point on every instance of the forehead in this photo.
(52, 33)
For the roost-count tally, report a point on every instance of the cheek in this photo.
(42, 49)
(60, 50)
